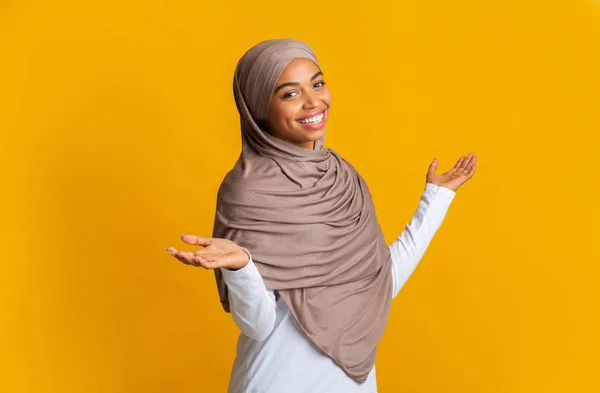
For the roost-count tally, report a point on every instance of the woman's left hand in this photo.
(455, 177)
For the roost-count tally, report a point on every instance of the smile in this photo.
(313, 120)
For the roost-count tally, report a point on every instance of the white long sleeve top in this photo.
(274, 356)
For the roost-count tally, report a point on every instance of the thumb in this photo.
(433, 166)
(196, 240)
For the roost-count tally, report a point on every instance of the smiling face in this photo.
(299, 107)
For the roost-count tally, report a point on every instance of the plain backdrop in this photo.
(118, 124)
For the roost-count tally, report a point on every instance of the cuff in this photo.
(248, 272)
(443, 191)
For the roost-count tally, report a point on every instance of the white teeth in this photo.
(312, 120)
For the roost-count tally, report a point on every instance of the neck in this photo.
(310, 145)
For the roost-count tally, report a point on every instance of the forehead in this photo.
(298, 70)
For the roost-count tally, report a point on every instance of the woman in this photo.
(297, 252)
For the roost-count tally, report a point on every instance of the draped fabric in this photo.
(308, 220)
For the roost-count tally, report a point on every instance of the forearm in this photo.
(410, 246)
(252, 305)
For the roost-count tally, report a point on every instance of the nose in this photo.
(311, 101)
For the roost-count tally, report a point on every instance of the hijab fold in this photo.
(307, 218)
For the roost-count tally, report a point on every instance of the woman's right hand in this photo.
(216, 253)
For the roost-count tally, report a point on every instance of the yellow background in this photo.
(118, 123)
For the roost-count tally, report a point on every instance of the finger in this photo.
(459, 162)
(202, 262)
(472, 170)
(466, 161)
(172, 251)
(181, 259)
(471, 163)
(433, 165)
(187, 257)
(211, 261)
(197, 240)
(178, 255)
(203, 252)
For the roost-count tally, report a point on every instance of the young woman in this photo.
(297, 252)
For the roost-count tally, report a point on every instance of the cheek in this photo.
(327, 97)
(275, 114)
(286, 114)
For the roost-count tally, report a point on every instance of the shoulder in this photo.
(249, 174)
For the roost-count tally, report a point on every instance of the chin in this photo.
(320, 135)
(314, 136)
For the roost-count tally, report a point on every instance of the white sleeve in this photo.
(251, 304)
(410, 246)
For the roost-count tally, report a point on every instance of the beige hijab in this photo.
(308, 220)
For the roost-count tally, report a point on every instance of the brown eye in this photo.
(288, 95)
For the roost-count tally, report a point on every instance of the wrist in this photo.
(243, 261)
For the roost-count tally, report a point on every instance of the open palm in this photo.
(216, 253)
(461, 172)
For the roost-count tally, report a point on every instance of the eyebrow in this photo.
(281, 86)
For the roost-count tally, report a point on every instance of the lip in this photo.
(312, 114)
(317, 126)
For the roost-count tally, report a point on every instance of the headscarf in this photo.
(308, 220)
